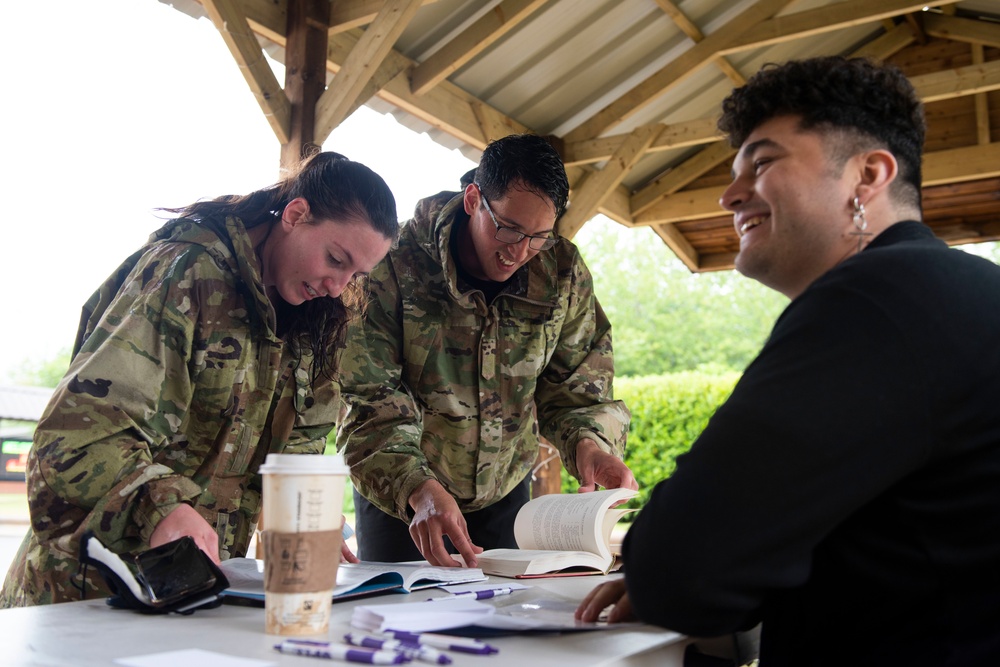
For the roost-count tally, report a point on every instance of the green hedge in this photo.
(668, 413)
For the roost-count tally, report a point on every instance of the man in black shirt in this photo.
(847, 495)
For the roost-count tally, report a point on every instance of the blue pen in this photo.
(423, 653)
(447, 642)
(340, 652)
(479, 595)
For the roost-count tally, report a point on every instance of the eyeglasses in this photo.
(512, 236)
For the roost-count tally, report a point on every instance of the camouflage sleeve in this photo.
(380, 429)
(574, 393)
(126, 395)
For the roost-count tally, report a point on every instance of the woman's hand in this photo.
(604, 596)
(185, 520)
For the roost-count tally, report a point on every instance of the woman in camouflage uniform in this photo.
(210, 347)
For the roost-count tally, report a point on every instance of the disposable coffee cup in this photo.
(303, 505)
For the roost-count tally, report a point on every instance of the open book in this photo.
(561, 534)
(246, 578)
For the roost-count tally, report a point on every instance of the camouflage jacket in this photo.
(439, 384)
(177, 390)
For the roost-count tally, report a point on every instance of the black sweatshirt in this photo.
(847, 495)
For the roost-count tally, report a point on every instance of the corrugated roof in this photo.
(591, 73)
(23, 403)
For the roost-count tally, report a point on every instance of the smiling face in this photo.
(305, 259)
(791, 206)
(481, 254)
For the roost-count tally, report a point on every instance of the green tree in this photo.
(42, 373)
(666, 319)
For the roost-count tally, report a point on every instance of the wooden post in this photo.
(305, 73)
(546, 476)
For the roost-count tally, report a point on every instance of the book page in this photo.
(570, 522)
(246, 576)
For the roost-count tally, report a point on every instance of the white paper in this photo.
(191, 657)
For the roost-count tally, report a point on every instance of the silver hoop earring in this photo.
(860, 223)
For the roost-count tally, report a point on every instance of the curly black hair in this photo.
(865, 104)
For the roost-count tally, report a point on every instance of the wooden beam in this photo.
(684, 205)
(721, 261)
(305, 74)
(939, 168)
(349, 14)
(615, 206)
(675, 135)
(918, 30)
(596, 186)
(361, 65)
(961, 164)
(696, 35)
(676, 242)
(705, 160)
(984, 33)
(822, 20)
(446, 107)
(232, 24)
(471, 42)
(982, 102)
(708, 158)
(889, 44)
(753, 28)
(958, 82)
(677, 70)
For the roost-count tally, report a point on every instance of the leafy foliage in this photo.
(666, 319)
(42, 373)
(669, 412)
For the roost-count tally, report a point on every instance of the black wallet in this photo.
(173, 577)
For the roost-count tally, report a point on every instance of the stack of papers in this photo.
(522, 611)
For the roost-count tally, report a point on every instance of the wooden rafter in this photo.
(703, 161)
(753, 28)
(962, 30)
(344, 95)
(707, 159)
(675, 135)
(446, 106)
(471, 42)
(680, 245)
(232, 24)
(981, 101)
(423, 90)
(597, 185)
(674, 72)
(939, 168)
(349, 14)
(958, 82)
(695, 33)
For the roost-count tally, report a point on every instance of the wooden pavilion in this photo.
(628, 90)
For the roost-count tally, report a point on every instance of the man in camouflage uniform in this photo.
(483, 333)
(178, 389)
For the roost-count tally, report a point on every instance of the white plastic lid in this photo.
(304, 464)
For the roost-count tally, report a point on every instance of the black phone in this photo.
(174, 571)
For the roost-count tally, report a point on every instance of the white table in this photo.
(89, 633)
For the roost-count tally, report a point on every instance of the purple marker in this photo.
(481, 595)
(447, 642)
(341, 652)
(412, 650)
